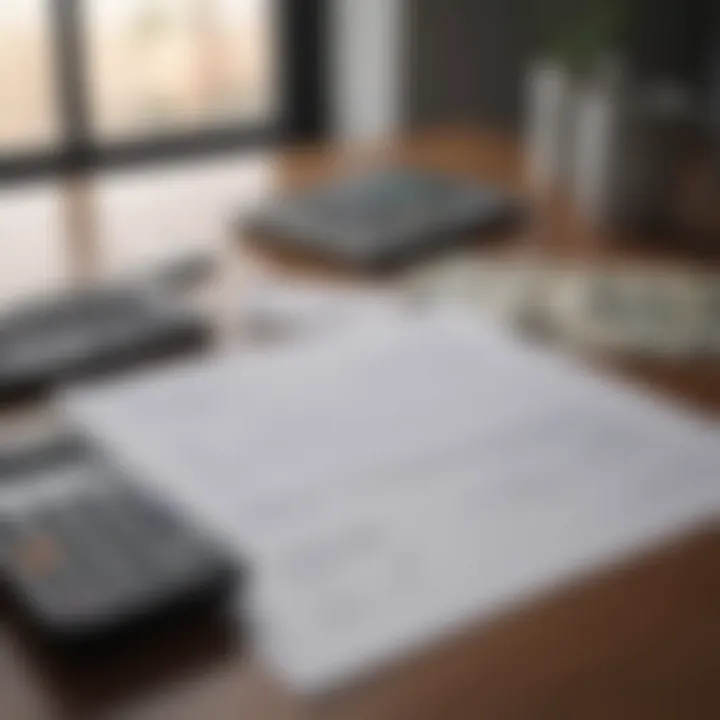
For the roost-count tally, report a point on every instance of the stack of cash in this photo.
(654, 312)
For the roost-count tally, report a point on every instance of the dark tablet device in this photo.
(382, 219)
(85, 333)
(87, 556)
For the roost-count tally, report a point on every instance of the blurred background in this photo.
(87, 82)
(157, 66)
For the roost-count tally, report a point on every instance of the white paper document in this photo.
(390, 483)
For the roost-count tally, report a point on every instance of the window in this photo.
(28, 116)
(158, 66)
(120, 80)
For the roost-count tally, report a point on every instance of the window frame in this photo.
(302, 42)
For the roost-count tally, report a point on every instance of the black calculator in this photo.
(86, 555)
(89, 332)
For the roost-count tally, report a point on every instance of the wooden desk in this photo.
(639, 642)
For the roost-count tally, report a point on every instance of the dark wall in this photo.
(467, 57)
(466, 62)
(674, 38)
(715, 75)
